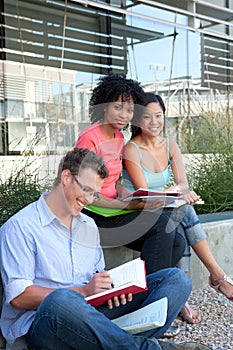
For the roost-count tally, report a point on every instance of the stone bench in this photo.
(219, 229)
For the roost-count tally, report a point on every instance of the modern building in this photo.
(52, 51)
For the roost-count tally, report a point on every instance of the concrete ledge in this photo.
(220, 240)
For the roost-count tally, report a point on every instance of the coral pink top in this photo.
(93, 138)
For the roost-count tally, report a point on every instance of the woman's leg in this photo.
(118, 230)
(217, 275)
(188, 219)
(196, 237)
(152, 233)
(187, 313)
(184, 262)
(157, 245)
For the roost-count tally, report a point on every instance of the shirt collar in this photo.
(47, 216)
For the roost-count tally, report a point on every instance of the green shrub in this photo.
(211, 173)
(19, 189)
(213, 180)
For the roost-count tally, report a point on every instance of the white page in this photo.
(151, 316)
(134, 270)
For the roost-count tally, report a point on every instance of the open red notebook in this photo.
(127, 278)
(148, 194)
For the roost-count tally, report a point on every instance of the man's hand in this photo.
(117, 301)
(100, 282)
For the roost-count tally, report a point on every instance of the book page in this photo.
(133, 270)
(127, 278)
(149, 317)
(167, 199)
(153, 195)
(179, 202)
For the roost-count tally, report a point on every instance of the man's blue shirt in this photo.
(37, 249)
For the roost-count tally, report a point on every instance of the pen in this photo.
(112, 285)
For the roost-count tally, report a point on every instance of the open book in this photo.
(143, 193)
(150, 316)
(178, 202)
(173, 199)
(127, 278)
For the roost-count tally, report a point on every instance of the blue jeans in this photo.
(188, 226)
(64, 321)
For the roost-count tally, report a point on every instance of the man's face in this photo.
(82, 189)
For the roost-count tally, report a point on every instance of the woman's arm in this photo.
(179, 173)
(131, 162)
(137, 204)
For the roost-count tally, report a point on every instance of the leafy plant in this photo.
(208, 133)
(211, 173)
(213, 180)
(19, 189)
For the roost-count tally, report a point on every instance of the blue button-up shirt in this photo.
(37, 249)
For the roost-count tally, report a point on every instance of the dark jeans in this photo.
(64, 321)
(152, 233)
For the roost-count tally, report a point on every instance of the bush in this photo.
(213, 180)
(17, 191)
(211, 173)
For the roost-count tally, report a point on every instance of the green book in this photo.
(108, 211)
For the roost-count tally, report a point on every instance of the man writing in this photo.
(50, 255)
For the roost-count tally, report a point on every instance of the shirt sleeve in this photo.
(100, 264)
(86, 141)
(16, 247)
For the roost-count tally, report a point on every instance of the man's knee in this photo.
(62, 296)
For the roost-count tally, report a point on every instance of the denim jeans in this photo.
(152, 233)
(64, 321)
(188, 226)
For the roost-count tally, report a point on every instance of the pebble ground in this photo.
(216, 326)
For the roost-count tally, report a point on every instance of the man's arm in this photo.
(34, 295)
(31, 297)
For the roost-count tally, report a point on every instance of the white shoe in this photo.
(172, 331)
(171, 345)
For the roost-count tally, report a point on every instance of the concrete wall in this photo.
(220, 240)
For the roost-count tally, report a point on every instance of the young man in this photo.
(50, 255)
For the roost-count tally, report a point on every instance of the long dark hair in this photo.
(148, 97)
(109, 88)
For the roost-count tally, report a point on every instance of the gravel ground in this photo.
(216, 326)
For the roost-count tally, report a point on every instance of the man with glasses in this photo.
(50, 258)
(87, 190)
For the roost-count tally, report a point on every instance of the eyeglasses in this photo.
(87, 190)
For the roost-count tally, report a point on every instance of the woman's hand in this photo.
(190, 197)
(145, 204)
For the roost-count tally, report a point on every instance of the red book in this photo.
(127, 278)
(166, 196)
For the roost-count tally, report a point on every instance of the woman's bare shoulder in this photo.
(172, 142)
